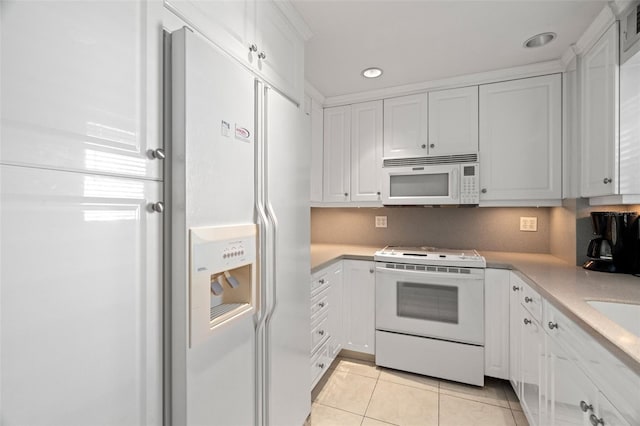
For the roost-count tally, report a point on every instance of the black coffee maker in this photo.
(617, 245)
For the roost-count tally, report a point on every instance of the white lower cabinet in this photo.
(561, 375)
(359, 306)
(326, 319)
(516, 286)
(496, 324)
(531, 361)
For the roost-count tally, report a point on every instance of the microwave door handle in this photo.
(455, 184)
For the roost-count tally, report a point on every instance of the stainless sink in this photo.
(626, 315)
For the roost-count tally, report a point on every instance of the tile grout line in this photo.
(370, 398)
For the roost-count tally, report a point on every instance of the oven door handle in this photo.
(472, 276)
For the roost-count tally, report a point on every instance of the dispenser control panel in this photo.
(221, 255)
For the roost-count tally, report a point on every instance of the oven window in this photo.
(428, 302)
(421, 185)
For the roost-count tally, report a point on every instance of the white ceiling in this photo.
(425, 40)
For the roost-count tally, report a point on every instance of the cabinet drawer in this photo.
(318, 282)
(319, 364)
(319, 304)
(532, 302)
(319, 333)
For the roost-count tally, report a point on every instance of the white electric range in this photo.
(430, 312)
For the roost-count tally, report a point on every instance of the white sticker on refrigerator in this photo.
(243, 134)
(225, 128)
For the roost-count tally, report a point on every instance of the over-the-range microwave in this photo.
(446, 180)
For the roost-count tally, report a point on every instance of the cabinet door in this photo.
(405, 126)
(337, 158)
(608, 414)
(335, 310)
(81, 86)
(359, 306)
(280, 56)
(366, 151)
(81, 301)
(599, 103)
(570, 390)
(515, 289)
(453, 121)
(532, 358)
(229, 24)
(316, 151)
(521, 139)
(496, 325)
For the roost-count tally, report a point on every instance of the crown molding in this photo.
(313, 92)
(569, 56)
(532, 70)
(294, 18)
(598, 27)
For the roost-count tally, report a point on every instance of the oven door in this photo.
(421, 185)
(440, 302)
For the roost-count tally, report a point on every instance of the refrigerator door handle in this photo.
(264, 235)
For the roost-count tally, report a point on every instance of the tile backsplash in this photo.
(495, 229)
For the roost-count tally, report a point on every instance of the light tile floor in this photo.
(355, 392)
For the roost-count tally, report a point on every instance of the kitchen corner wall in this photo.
(494, 229)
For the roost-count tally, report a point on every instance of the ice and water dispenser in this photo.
(222, 277)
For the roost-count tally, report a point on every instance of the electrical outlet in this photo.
(529, 224)
(381, 221)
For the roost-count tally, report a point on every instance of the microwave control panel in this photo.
(469, 192)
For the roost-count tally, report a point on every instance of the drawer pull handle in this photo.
(527, 321)
(527, 299)
(321, 365)
(321, 332)
(585, 407)
(595, 421)
(553, 325)
(321, 304)
(321, 281)
(515, 288)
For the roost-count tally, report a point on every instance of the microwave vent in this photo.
(423, 161)
(631, 27)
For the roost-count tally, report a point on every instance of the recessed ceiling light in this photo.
(540, 40)
(372, 72)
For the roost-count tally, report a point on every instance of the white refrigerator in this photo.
(239, 320)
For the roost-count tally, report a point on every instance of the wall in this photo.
(562, 235)
(495, 229)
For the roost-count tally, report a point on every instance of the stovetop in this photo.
(431, 256)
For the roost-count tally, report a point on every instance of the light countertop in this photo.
(566, 286)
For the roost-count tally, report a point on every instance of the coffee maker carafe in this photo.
(615, 247)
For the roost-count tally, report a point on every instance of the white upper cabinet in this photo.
(521, 141)
(366, 151)
(336, 177)
(599, 118)
(81, 86)
(280, 56)
(405, 126)
(231, 24)
(453, 121)
(353, 153)
(256, 33)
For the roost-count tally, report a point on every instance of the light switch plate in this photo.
(529, 224)
(381, 221)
